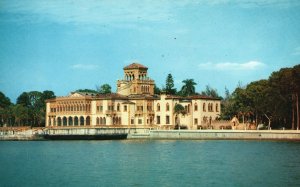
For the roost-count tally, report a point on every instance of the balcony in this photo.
(110, 112)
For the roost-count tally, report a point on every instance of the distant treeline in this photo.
(29, 109)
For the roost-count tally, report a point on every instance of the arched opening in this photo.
(58, 121)
(76, 121)
(81, 120)
(70, 121)
(88, 120)
(65, 121)
(101, 121)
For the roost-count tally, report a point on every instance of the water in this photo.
(149, 163)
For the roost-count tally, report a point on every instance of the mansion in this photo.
(133, 105)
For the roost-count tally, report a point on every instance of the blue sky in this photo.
(65, 45)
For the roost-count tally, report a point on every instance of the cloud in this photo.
(85, 66)
(251, 65)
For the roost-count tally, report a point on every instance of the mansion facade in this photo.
(134, 105)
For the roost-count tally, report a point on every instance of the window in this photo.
(167, 119)
(98, 108)
(132, 121)
(196, 121)
(140, 121)
(157, 119)
(158, 107)
(118, 107)
(125, 108)
(204, 107)
(195, 107)
(101, 108)
(167, 107)
(217, 108)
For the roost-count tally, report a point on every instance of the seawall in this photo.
(226, 134)
(147, 133)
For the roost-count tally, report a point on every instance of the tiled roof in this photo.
(135, 66)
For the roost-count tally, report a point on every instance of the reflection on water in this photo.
(149, 163)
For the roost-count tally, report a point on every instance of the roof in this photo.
(203, 97)
(112, 96)
(135, 66)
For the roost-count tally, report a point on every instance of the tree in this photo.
(87, 91)
(104, 89)
(4, 109)
(24, 99)
(188, 88)
(211, 92)
(170, 85)
(178, 109)
(20, 114)
(157, 90)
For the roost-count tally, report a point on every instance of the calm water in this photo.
(149, 163)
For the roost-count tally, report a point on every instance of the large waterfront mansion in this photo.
(134, 105)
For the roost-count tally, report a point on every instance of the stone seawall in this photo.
(226, 134)
(146, 133)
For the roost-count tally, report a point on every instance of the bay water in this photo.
(149, 163)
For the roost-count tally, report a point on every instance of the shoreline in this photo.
(44, 134)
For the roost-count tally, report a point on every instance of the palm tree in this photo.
(188, 88)
(178, 109)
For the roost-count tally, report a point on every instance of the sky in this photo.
(65, 45)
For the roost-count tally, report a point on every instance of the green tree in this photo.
(188, 88)
(4, 109)
(104, 89)
(87, 91)
(170, 85)
(211, 92)
(178, 110)
(157, 90)
(20, 114)
(24, 99)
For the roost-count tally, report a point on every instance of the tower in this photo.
(136, 81)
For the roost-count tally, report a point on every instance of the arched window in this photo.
(70, 121)
(195, 107)
(118, 107)
(104, 121)
(101, 121)
(76, 121)
(88, 120)
(211, 107)
(217, 108)
(58, 121)
(81, 120)
(64, 121)
(97, 121)
(167, 107)
(158, 107)
(204, 107)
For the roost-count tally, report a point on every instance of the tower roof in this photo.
(135, 66)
